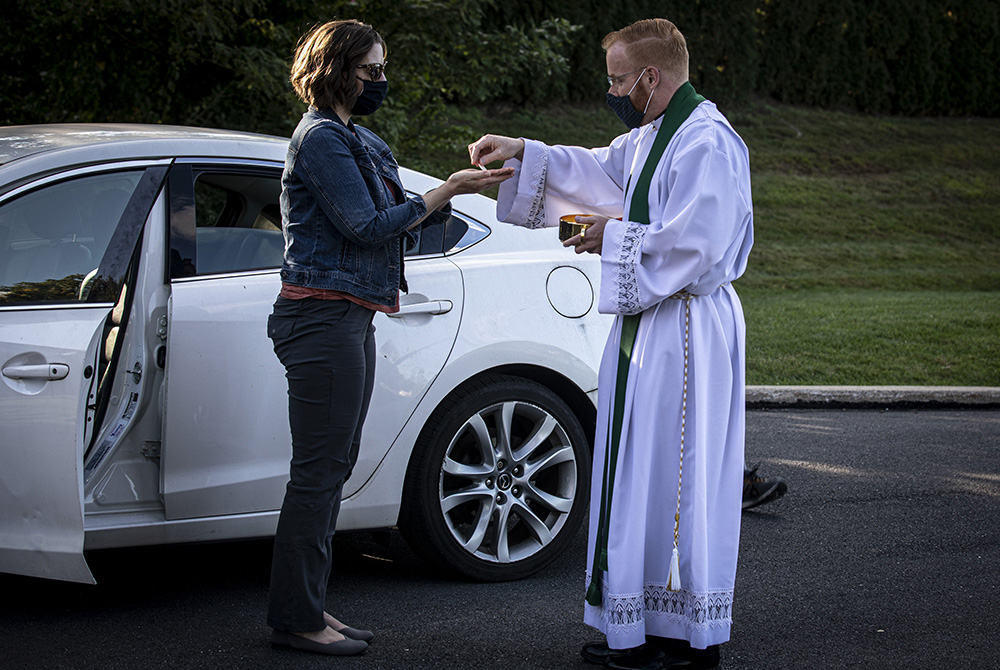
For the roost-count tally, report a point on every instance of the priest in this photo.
(669, 211)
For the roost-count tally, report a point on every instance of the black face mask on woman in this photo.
(626, 111)
(371, 98)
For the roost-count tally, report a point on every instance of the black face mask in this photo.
(626, 111)
(371, 97)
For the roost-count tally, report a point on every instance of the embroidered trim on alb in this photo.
(624, 612)
(625, 283)
(536, 209)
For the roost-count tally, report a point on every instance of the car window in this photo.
(52, 239)
(438, 234)
(238, 222)
(444, 233)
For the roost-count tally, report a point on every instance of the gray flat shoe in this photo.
(357, 634)
(345, 647)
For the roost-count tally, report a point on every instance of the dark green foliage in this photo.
(912, 57)
(720, 36)
(443, 53)
(168, 61)
(225, 63)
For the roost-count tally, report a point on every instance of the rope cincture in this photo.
(674, 575)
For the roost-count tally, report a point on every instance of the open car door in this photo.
(66, 244)
(42, 401)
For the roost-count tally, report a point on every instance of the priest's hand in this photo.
(589, 240)
(490, 148)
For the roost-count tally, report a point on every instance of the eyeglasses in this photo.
(374, 69)
(613, 81)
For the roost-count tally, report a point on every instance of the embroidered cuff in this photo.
(521, 200)
(537, 170)
(625, 282)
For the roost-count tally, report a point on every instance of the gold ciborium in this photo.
(568, 227)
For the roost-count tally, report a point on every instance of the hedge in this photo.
(910, 57)
(225, 63)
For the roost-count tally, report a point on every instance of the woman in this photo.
(344, 212)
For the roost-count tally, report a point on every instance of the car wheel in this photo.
(499, 480)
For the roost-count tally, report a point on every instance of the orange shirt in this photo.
(299, 292)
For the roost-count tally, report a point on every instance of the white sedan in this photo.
(142, 403)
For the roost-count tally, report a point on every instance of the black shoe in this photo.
(757, 490)
(357, 634)
(654, 659)
(600, 653)
(345, 647)
(639, 658)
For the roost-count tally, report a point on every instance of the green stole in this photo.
(678, 110)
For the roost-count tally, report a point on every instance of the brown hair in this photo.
(655, 42)
(323, 71)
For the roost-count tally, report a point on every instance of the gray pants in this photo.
(328, 350)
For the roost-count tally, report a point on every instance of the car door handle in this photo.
(49, 371)
(429, 307)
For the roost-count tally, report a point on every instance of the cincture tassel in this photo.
(674, 577)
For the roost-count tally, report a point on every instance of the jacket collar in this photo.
(331, 115)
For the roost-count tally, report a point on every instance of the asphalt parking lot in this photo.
(884, 554)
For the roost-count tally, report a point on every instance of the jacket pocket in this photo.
(350, 260)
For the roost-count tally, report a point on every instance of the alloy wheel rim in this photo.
(508, 482)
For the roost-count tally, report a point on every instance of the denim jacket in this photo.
(341, 223)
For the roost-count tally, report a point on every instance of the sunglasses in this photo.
(374, 69)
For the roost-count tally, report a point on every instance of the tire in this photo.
(492, 508)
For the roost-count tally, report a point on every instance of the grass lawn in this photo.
(873, 337)
(877, 252)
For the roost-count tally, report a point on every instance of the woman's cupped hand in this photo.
(477, 181)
